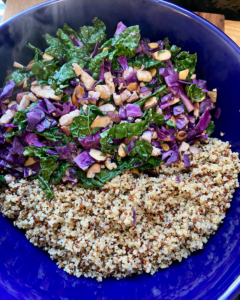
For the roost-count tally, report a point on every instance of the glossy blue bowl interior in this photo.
(27, 272)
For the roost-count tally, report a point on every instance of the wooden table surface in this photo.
(231, 28)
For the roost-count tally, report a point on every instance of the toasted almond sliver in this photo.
(17, 65)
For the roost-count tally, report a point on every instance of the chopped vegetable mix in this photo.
(87, 108)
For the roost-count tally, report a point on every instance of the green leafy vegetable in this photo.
(38, 152)
(195, 93)
(56, 46)
(95, 63)
(184, 60)
(20, 119)
(123, 130)
(210, 129)
(80, 126)
(53, 134)
(87, 182)
(146, 62)
(38, 52)
(126, 42)
(43, 70)
(143, 149)
(16, 76)
(156, 118)
(173, 49)
(57, 177)
(48, 166)
(156, 93)
(171, 124)
(90, 35)
(2, 180)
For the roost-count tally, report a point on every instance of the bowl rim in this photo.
(234, 288)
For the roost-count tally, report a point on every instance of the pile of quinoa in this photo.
(132, 224)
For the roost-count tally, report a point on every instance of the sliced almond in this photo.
(78, 93)
(136, 68)
(213, 96)
(97, 155)
(101, 122)
(107, 107)
(94, 169)
(165, 146)
(196, 109)
(144, 76)
(121, 151)
(135, 171)
(181, 135)
(17, 65)
(109, 82)
(153, 45)
(193, 76)
(184, 147)
(77, 69)
(152, 101)
(153, 72)
(45, 91)
(20, 96)
(132, 86)
(28, 68)
(104, 91)
(106, 48)
(174, 101)
(100, 103)
(9, 129)
(194, 150)
(162, 56)
(35, 82)
(183, 74)
(30, 161)
(117, 99)
(66, 130)
(47, 56)
(32, 97)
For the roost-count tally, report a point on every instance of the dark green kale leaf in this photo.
(210, 129)
(80, 126)
(142, 149)
(195, 93)
(38, 52)
(123, 130)
(184, 60)
(126, 42)
(58, 175)
(156, 93)
(147, 62)
(53, 134)
(90, 35)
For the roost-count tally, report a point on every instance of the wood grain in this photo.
(232, 28)
(216, 19)
(14, 7)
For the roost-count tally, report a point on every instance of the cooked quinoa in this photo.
(92, 232)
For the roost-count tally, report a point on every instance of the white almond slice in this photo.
(150, 103)
(117, 99)
(94, 169)
(213, 96)
(17, 65)
(29, 162)
(104, 91)
(132, 86)
(77, 69)
(107, 107)
(47, 56)
(144, 76)
(194, 150)
(194, 76)
(121, 151)
(101, 122)
(184, 147)
(45, 92)
(162, 56)
(153, 45)
(109, 82)
(183, 74)
(153, 72)
(97, 155)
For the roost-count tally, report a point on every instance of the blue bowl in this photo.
(27, 272)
